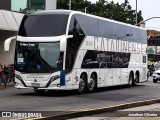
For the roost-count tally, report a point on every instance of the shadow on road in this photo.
(67, 93)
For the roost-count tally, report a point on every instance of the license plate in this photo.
(35, 84)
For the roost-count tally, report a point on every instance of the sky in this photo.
(149, 8)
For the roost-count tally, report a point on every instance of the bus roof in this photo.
(60, 11)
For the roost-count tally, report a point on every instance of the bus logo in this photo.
(38, 67)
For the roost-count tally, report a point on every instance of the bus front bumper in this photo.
(42, 85)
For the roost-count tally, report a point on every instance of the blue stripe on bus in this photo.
(62, 78)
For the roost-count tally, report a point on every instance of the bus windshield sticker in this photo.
(20, 60)
(27, 44)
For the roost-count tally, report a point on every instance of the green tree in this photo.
(120, 12)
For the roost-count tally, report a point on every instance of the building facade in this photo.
(9, 25)
(5, 4)
(153, 49)
(26, 6)
(10, 21)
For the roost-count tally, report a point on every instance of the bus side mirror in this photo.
(63, 43)
(7, 43)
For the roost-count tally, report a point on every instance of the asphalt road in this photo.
(12, 99)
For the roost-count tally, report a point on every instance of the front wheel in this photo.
(136, 80)
(82, 85)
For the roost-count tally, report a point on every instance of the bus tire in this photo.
(131, 80)
(82, 84)
(92, 84)
(136, 80)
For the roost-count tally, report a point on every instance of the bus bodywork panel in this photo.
(109, 49)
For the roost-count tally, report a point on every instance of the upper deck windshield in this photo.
(42, 25)
(38, 57)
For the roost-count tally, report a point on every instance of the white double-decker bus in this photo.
(65, 50)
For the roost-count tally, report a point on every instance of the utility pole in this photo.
(136, 11)
(70, 2)
(85, 9)
(147, 20)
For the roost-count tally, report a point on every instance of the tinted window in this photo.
(121, 31)
(102, 59)
(113, 30)
(38, 57)
(144, 59)
(43, 25)
(74, 43)
(104, 28)
(88, 24)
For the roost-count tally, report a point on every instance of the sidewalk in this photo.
(147, 112)
(10, 84)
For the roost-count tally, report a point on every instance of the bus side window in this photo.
(70, 55)
(144, 59)
(74, 43)
(76, 31)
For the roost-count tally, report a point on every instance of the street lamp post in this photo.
(85, 9)
(146, 20)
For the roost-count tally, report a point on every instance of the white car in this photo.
(156, 75)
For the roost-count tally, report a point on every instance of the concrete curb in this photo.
(74, 114)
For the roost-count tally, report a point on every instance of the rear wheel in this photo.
(82, 84)
(136, 80)
(91, 87)
(131, 80)
(154, 80)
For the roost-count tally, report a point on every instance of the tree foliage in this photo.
(120, 12)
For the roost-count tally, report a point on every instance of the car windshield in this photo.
(38, 57)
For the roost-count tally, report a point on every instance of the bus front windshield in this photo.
(44, 25)
(38, 57)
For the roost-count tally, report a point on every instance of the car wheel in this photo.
(154, 80)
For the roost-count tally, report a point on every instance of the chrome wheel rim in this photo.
(130, 80)
(136, 80)
(91, 84)
(82, 85)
